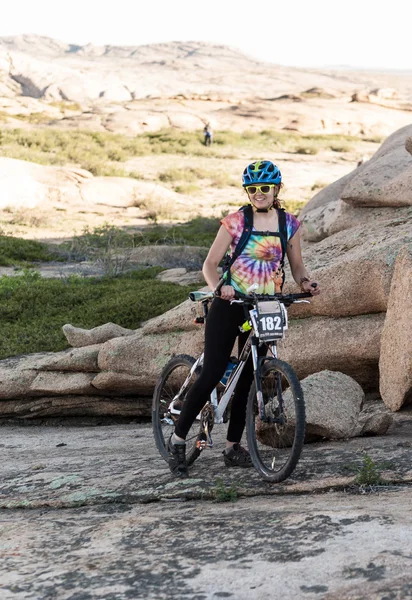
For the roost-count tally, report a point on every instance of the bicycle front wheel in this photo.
(276, 442)
(170, 393)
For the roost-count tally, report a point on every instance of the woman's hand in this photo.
(310, 286)
(227, 292)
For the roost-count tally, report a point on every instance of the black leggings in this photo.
(222, 328)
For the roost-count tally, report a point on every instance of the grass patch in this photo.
(19, 252)
(33, 310)
(225, 493)
(94, 150)
(66, 105)
(37, 118)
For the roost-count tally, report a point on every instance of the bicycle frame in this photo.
(251, 346)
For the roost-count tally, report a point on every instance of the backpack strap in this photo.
(283, 234)
(243, 240)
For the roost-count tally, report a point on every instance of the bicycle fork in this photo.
(257, 368)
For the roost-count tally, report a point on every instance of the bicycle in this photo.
(275, 414)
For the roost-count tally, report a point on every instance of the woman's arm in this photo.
(299, 272)
(215, 255)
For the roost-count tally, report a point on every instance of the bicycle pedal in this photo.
(201, 444)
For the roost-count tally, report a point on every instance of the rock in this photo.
(15, 383)
(147, 354)
(395, 364)
(349, 345)
(74, 405)
(355, 267)
(123, 192)
(386, 179)
(116, 93)
(181, 276)
(333, 402)
(121, 383)
(168, 256)
(369, 192)
(25, 184)
(340, 282)
(337, 216)
(179, 318)
(408, 144)
(62, 383)
(377, 424)
(386, 93)
(78, 337)
(76, 359)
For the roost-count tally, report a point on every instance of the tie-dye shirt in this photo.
(261, 256)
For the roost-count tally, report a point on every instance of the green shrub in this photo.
(187, 188)
(369, 473)
(200, 231)
(342, 147)
(225, 493)
(307, 148)
(20, 252)
(33, 310)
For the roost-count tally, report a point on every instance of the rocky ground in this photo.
(118, 526)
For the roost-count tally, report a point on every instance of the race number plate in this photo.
(271, 320)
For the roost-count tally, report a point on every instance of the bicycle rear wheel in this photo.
(275, 444)
(169, 389)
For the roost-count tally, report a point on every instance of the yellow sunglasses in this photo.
(264, 189)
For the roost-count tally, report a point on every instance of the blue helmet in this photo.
(261, 171)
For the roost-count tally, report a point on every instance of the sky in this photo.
(302, 33)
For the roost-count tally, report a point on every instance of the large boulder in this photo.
(350, 345)
(144, 356)
(395, 363)
(328, 194)
(333, 403)
(365, 195)
(354, 268)
(386, 179)
(337, 215)
(27, 185)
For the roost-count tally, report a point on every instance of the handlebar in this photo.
(286, 299)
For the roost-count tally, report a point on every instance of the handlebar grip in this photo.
(198, 296)
(219, 286)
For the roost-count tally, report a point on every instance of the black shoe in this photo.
(237, 456)
(177, 459)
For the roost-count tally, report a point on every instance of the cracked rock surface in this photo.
(92, 511)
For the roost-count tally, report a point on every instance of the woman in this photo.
(259, 260)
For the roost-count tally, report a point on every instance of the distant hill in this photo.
(44, 67)
(183, 85)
